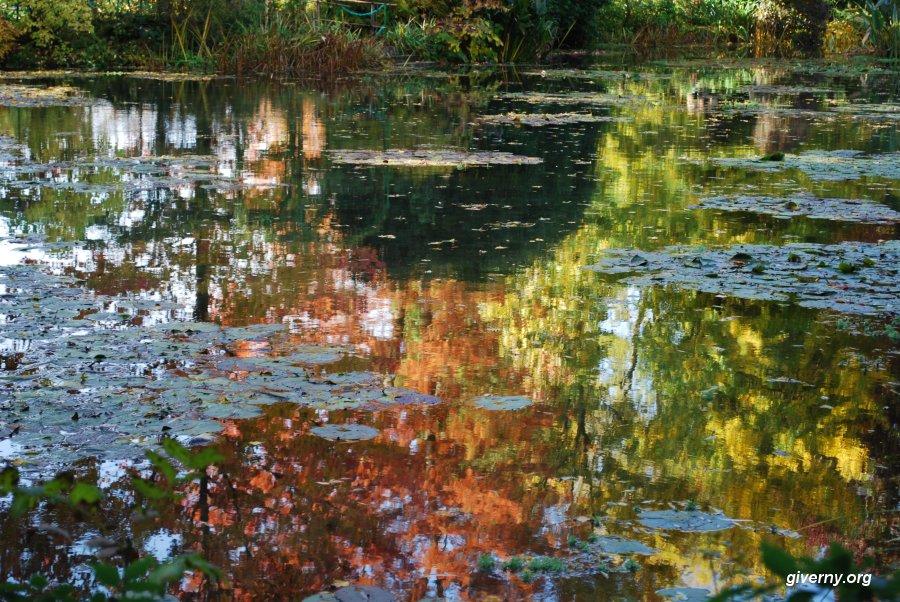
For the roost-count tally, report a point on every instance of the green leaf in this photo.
(106, 574)
(139, 568)
(168, 572)
(85, 493)
(148, 490)
(204, 458)
(38, 582)
(162, 465)
(9, 478)
(777, 560)
(176, 450)
(197, 562)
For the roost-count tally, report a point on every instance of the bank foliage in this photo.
(328, 37)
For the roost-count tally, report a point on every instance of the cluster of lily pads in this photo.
(604, 553)
(79, 379)
(835, 165)
(545, 119)
(850, 277)
(429, 157)
(24, 95)
(139, 174)
(804, 205)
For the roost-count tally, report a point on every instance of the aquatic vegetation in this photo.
(429, 158)
(344, 432)
(502, 402)
(73, 392)
(486, 563)
(807, 274)
(353, 593)
(545, 119)
(19, 95)
(601, 99)
(621, 545)
(825, 165)
(694, 521)
(784, 89)
(804, 205)
(684, 594)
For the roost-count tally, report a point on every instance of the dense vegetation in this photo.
(304, 37)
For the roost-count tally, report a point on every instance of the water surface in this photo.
(463, 282)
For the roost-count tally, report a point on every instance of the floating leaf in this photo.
(502, 402)
(344, 432)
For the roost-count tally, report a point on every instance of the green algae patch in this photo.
(429, 158)
(545, 119)
(810, 275)
(344, 432)
(836, 165)
(692, 521)
(500, 403)
(804, 205)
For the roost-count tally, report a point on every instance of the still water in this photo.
(461, 282)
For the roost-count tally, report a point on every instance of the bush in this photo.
(52, 31)
(791, 27)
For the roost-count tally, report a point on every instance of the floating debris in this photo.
(543, 119)
(694, 521)
(502, 402)
(429, 158)
(804, 205)
(344, 432)
(20, 95)
(850, 277)
(826, 165)
(620, 545)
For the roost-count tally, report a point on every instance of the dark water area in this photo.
(454, 282)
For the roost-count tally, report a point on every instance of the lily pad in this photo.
(430, 158)
(834, 165)
(344, 432)
(693, 521)
(602, 99)
(684, 594)
(502, 402)
(856, 278)
(805, 205)
(620, 545)
(545, 119)
(353, 593)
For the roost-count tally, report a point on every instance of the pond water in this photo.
(527, 406)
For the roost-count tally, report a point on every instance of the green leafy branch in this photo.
(837, 560)
(144, 577)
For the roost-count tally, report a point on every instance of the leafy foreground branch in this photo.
(837, 561)
(144, 577)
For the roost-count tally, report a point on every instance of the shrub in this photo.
(790, 27)
(52, 29)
